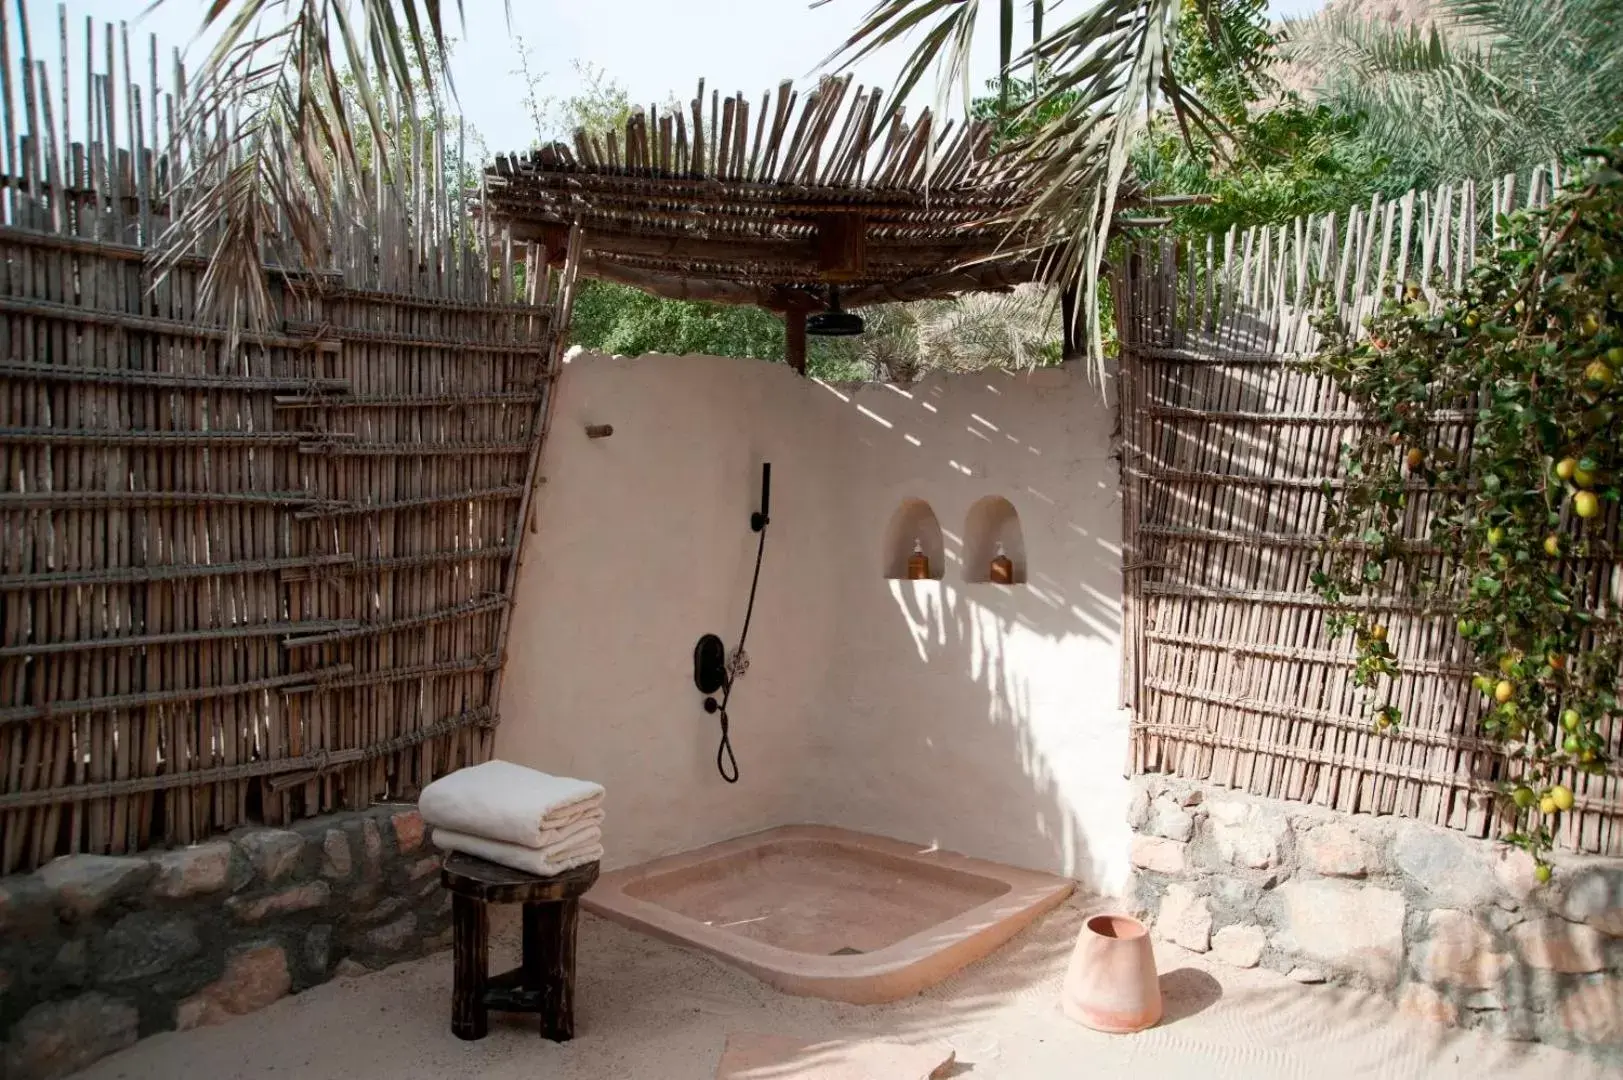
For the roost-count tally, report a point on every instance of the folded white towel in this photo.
(587, 826)
(507, 802)
(585, 849)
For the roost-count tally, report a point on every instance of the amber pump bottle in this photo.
(1002, 570)
(918, 564)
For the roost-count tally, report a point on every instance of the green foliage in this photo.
(615, 318)
(1289, 160)
(1097, 78)
(1015, 110)
(1532, 350)
(1224, 50)
(1259, 164)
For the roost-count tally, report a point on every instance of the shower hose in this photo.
(726, 762)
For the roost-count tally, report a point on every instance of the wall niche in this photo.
(990, 522)
(913, 521)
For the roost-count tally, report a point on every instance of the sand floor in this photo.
(650, 1010)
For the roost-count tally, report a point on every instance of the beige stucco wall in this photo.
(977, 717)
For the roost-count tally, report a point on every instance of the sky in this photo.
(655, 48)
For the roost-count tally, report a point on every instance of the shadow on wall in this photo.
(978, 717)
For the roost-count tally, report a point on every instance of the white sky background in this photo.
(655, 48)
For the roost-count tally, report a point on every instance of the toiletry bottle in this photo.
(1002, 570)
(918, 564)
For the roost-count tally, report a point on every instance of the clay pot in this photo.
(1111, 984)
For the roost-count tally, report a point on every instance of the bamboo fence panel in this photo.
(1228, 445)
(244, 575)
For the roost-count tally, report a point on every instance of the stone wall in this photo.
(97, 951)
(1455, 929)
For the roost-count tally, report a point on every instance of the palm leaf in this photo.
(1494, 86)
(274, 134)
(1104, 72)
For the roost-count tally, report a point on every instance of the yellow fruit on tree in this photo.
(1561, 795)
(1496, 536)
(1504, 691)
(1508, 662)
(1566, 467)
(1523, 796)
(1585, 504)
(1584, 478)
(1546, 805)
(1598, 375)
(1552, 545)
(1414, 458)
(1377, 632)
(1541, 873)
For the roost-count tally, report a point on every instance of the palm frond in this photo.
(1493, 86)
(1104, 72)
(974, 332)
(275, 138)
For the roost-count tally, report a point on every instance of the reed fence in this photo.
(1228, 443)
(244, 575)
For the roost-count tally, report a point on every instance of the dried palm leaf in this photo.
(289, 93)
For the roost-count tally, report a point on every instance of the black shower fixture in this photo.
(835, 322)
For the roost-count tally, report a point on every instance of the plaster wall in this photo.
(977, 717)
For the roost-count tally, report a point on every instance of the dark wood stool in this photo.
(545, 982)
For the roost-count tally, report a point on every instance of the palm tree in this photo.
(1489, 87)
(1093, 81)
(973, 332)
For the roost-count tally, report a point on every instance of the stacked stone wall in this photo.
(97, 951)
(1453, 928)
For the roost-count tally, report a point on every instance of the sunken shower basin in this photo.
(830, 913)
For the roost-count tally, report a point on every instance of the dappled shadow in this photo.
(980, 717)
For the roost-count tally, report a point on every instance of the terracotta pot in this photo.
(1111, 984)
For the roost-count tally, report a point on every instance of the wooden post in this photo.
(550, 928)
(470, 934)
(794, 338)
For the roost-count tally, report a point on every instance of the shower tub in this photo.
(830, 913)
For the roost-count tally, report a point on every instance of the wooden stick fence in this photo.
(1227, 447)
(245, 576)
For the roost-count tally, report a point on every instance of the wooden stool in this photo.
(545, 982)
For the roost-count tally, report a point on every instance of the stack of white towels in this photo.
(517, 817)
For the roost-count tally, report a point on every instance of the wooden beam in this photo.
(794, 338)
(842, 246)
(985, 277)
(676, 286)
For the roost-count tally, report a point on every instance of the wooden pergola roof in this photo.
(771, 207)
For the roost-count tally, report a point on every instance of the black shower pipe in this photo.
(758, 523)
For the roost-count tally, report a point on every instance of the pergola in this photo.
(817, 194)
